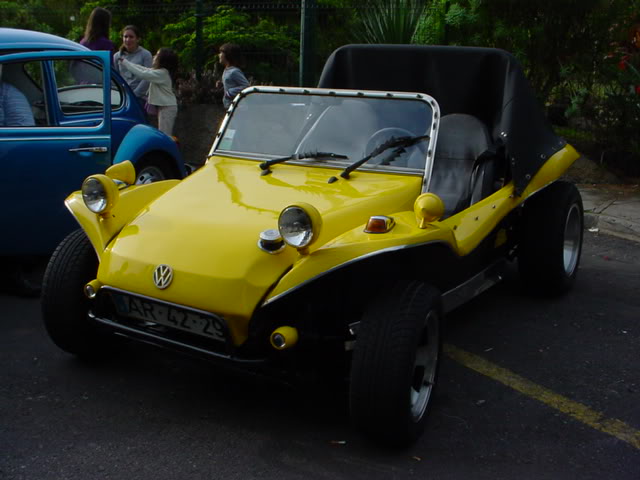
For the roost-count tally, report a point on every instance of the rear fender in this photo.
(472, 225)
(143, 140)
(102, 228)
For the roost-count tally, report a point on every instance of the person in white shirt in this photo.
(160, 77)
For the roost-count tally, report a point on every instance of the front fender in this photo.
(142, 140)
(356, 245)
(100, 229)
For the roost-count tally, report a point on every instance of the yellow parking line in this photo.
(576, 410)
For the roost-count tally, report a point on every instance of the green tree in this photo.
(270, 47)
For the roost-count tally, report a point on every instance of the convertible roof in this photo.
(485, 82)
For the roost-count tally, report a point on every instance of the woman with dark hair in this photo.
(160, 77)
(233, 80)
(132, 51)
(96, 33)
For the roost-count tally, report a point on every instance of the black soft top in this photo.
(487, 83)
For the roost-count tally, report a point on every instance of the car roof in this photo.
(14, 39)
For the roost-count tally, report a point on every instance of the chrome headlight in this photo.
(99, 193)
(299, 225)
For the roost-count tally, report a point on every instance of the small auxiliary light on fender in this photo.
(91, 288)
(283, 337)
(379, 224)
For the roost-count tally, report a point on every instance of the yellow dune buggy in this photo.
(331, 226)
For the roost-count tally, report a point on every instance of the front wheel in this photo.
(551, 239)
(395, 363)
(64, 306)
(151, 170)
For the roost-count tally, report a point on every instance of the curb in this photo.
(606, 224)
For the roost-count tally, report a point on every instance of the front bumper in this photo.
(169, 325)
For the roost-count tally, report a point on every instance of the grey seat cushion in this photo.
(461, 139)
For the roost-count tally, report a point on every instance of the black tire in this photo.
(153, 169)
(390, 393)
(551, 239)
(64, 305)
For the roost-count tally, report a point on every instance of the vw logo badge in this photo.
(162, 276)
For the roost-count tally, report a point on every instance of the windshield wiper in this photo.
(264, 166)
(399, 143)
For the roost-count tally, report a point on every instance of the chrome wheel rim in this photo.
(149, 175)
(572, 236)
(424, 367)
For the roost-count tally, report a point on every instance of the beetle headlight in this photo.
(99, 193)
(300, 225)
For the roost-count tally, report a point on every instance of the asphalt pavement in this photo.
(612, 209)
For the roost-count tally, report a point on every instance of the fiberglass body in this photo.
(331, 226)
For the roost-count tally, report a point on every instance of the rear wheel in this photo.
(551, 243)
(64, 306)
(395, 363)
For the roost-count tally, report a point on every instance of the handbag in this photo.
(150, 109)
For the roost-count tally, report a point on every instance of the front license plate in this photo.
(183, 319)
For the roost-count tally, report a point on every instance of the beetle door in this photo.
(46, 151)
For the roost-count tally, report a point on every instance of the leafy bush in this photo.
(190, 90)
(256, 36)
(389, 21)
(615, 116)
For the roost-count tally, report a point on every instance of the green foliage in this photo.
(612, 111)
(459, 16)
(190, 90)
(563, 46)
(256, 35)
(26, 15)
(389, 21)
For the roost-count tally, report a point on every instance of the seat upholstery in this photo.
(461, 139)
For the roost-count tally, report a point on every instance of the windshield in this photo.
(267, 125)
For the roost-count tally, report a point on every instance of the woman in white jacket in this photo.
(160, 77)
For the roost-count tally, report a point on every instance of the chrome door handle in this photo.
(90, 149)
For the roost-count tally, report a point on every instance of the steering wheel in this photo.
(385, 134)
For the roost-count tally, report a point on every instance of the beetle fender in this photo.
(144, 139)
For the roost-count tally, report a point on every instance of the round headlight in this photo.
(99, 193)
(299, 225)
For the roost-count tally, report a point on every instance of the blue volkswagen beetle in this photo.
(55, 130)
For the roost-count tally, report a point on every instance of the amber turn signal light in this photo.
(379, 224)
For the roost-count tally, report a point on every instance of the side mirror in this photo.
(428, 208)
(125, 172)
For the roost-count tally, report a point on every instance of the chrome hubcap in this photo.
(149, 175)
(572, 235)
(424, 368)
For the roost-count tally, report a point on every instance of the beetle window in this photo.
(22, 84)
(79, 86)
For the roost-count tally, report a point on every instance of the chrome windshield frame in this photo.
(433, 134)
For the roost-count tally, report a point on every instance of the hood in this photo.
(207, 228)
